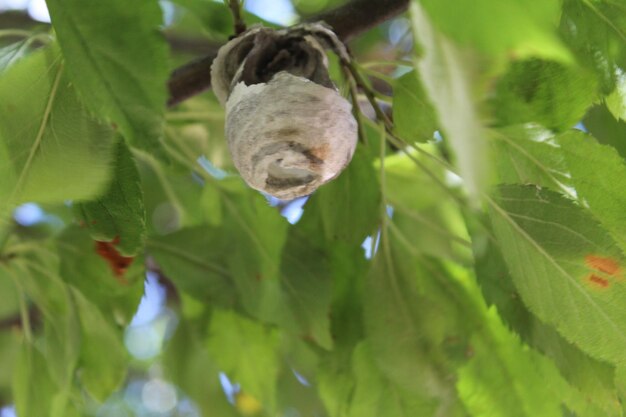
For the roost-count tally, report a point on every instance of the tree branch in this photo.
(348, 21)
(358, 16)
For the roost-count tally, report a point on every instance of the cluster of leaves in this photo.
(495, 281)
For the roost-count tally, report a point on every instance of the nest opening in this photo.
(280, 177)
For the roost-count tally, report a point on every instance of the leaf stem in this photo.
(40, 134)
(356, 110)
(235, 10)
(15, 33)
(350, 68)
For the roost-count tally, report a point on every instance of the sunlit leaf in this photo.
(583, 373)
(526, 155)
(592, 32)
(504, 378)
(120, 74)
(599, 175)
(448, 80)
(55, 150)
(565, 267)
(522, 28)
(616, 101)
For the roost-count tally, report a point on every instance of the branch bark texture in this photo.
(348, 21)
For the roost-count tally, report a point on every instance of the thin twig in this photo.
(235, 10)
(352, 87)
(369, 94)
(387, 124)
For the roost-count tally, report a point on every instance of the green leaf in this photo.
(422, 210)
(587, 375)
(10, 350)
(522, 28)
(37, 275)
(375, 396)
(413, 115)
(417, 321)
(448, 80)
(616, 101)
(281, 274)
(606, 129)
(550, 93)
(336, 219)
(12, 53)
(335, 388)
(187, 364)
(32, 399)
(620, 381)
(118, 61)
(591, 31)
(10, 305)
(562, 264)
(257, 235)
(9, 176)
(527, 155)
(212, 205)
(505, 379)
(307, 285)
(170, 198)
(53, 150)
(348, 265)
(119, 215)
(599, 175)
(102, 355)
(246, 352)
(85, 269)
(349, 206)
(194, 260)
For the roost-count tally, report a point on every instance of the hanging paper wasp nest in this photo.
(288, 128)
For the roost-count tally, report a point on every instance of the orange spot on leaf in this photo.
(602, 264)
(597, 281)
(119, 264)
